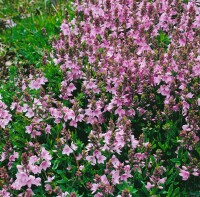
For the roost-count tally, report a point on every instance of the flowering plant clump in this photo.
(5, 116)
(114, 111)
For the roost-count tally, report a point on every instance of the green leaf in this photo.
(169, 180)
(171, 171)
(59, 172)
(133, 190)
(170, 190)
(176, 192)
(176, 160)
(162, 146)
(126, 186)
(122, 186)
(56, 164)
(62, 181)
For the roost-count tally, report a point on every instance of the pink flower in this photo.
(189, 95)
(131, 112)
(55, 113)
(69, 114)
(101, 159)
(98, 194)
(134, 142)
(45, 155)
(44, 165)
(140, 156)
(30, 113)
(127, 173)
(99, 156)
(81, 167)
(65, 28)
(49, 179)
(71, 87)
(104, 180)
(91, 159)
(195, 172)
(115, 177)
(164, 90)
(33, 181)
(25, 108)
(48, 187)
(67, 150)
(73, 123)
(5, 116)
(94, 187)
(4, 193)
(186, 128)
(73, 146)
(29, 193)
(29, 129)
(79, 118)
(48, 129)
(149, 185)
(185, 174)
(97, 153)
(13, 105)
(34, 85)
(107, 136)
(3, 156)
(33, 159)
(14, 156)
(79, 157)
(42, 80)
(162, 181)
(115, 162)
(120, 111)
(21, 180)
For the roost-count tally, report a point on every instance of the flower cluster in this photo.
(5, 116)
(126, 118)
(31, 165)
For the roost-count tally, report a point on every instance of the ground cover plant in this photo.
(105, 102)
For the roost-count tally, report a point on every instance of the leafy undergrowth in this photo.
(100, 101)
(27, 29)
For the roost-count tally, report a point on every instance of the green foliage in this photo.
(54, 76)
(127, 187)
(36, 23)
(163, 40)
